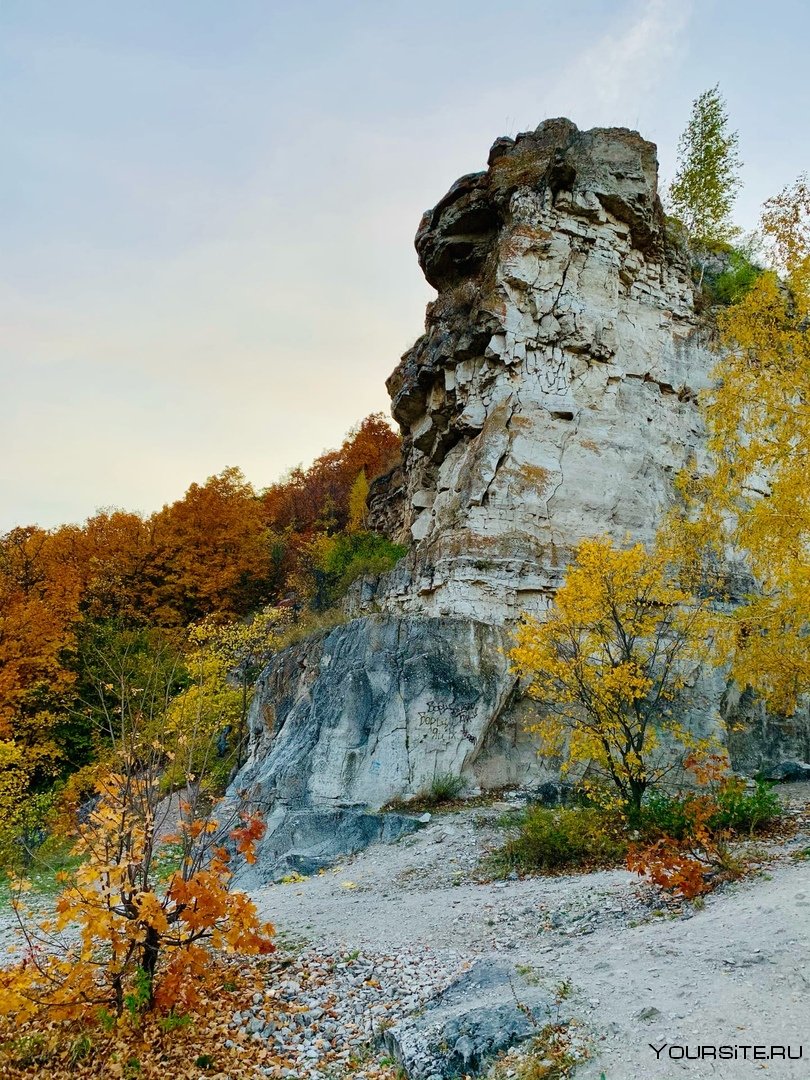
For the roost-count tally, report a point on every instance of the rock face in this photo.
(551, 398)
(372, 711)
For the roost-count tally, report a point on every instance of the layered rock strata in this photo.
(552, 397)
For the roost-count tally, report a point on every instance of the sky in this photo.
(207, 208)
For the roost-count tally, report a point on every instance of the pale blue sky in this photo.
(207, 209)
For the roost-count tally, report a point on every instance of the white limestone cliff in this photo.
(552, 396)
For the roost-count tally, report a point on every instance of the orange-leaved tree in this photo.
(136, 922)
(609, 665)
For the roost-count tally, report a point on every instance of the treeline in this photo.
(79, 601)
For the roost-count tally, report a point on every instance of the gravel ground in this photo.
(328, 1005)
(370, 942)
(733, 972)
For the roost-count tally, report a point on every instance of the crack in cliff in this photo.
(563, 447)
(568, 262)
(683, 393)
(506, 699)
(502, 457)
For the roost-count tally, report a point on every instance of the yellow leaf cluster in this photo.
(609, 662)
(753, 503)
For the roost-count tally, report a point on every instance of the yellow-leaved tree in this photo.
(14, 776)
(608, 666)
(754, 498)
(135, 923)
(358, 510)
(206, 724)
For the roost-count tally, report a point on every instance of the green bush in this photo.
(744, 811)
(345, 557)
(730, 286)
(666, 815)
(563, 838)
(737, 810)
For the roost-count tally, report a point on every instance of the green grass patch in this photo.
(444, 788)
(560, 840)
(46, 863)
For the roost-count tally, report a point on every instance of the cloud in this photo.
(611, 79)
(623, 66)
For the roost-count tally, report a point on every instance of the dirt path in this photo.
(736, 972)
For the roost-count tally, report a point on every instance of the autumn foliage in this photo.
(608, 667)
(219, 556)
(750, 501)
(698, 856)
(150, 896)
(140, 940)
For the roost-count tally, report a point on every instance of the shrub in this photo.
(142, 926)
(685, 848)
(674, 867)
(730, 286)
(730, 809)
(309, 624)
(445, 788)
(338, 560)
(141, 935)
(743, 811)
(666, 815)
(568, 837)
(688, 868)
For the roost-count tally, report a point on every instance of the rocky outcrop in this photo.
(484, 1012)
(374, 711)
(552, 397)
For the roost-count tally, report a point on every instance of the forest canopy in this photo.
(127, 591)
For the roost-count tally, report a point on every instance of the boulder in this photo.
(789, 772)
(489, 1009)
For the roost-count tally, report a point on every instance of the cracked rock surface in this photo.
(552, 395)
(375, 709)
(551, 398)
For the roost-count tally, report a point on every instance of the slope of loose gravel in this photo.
(373, 939)
(734, 972)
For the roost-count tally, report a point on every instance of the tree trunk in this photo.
(151, 950)
(637, 789)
